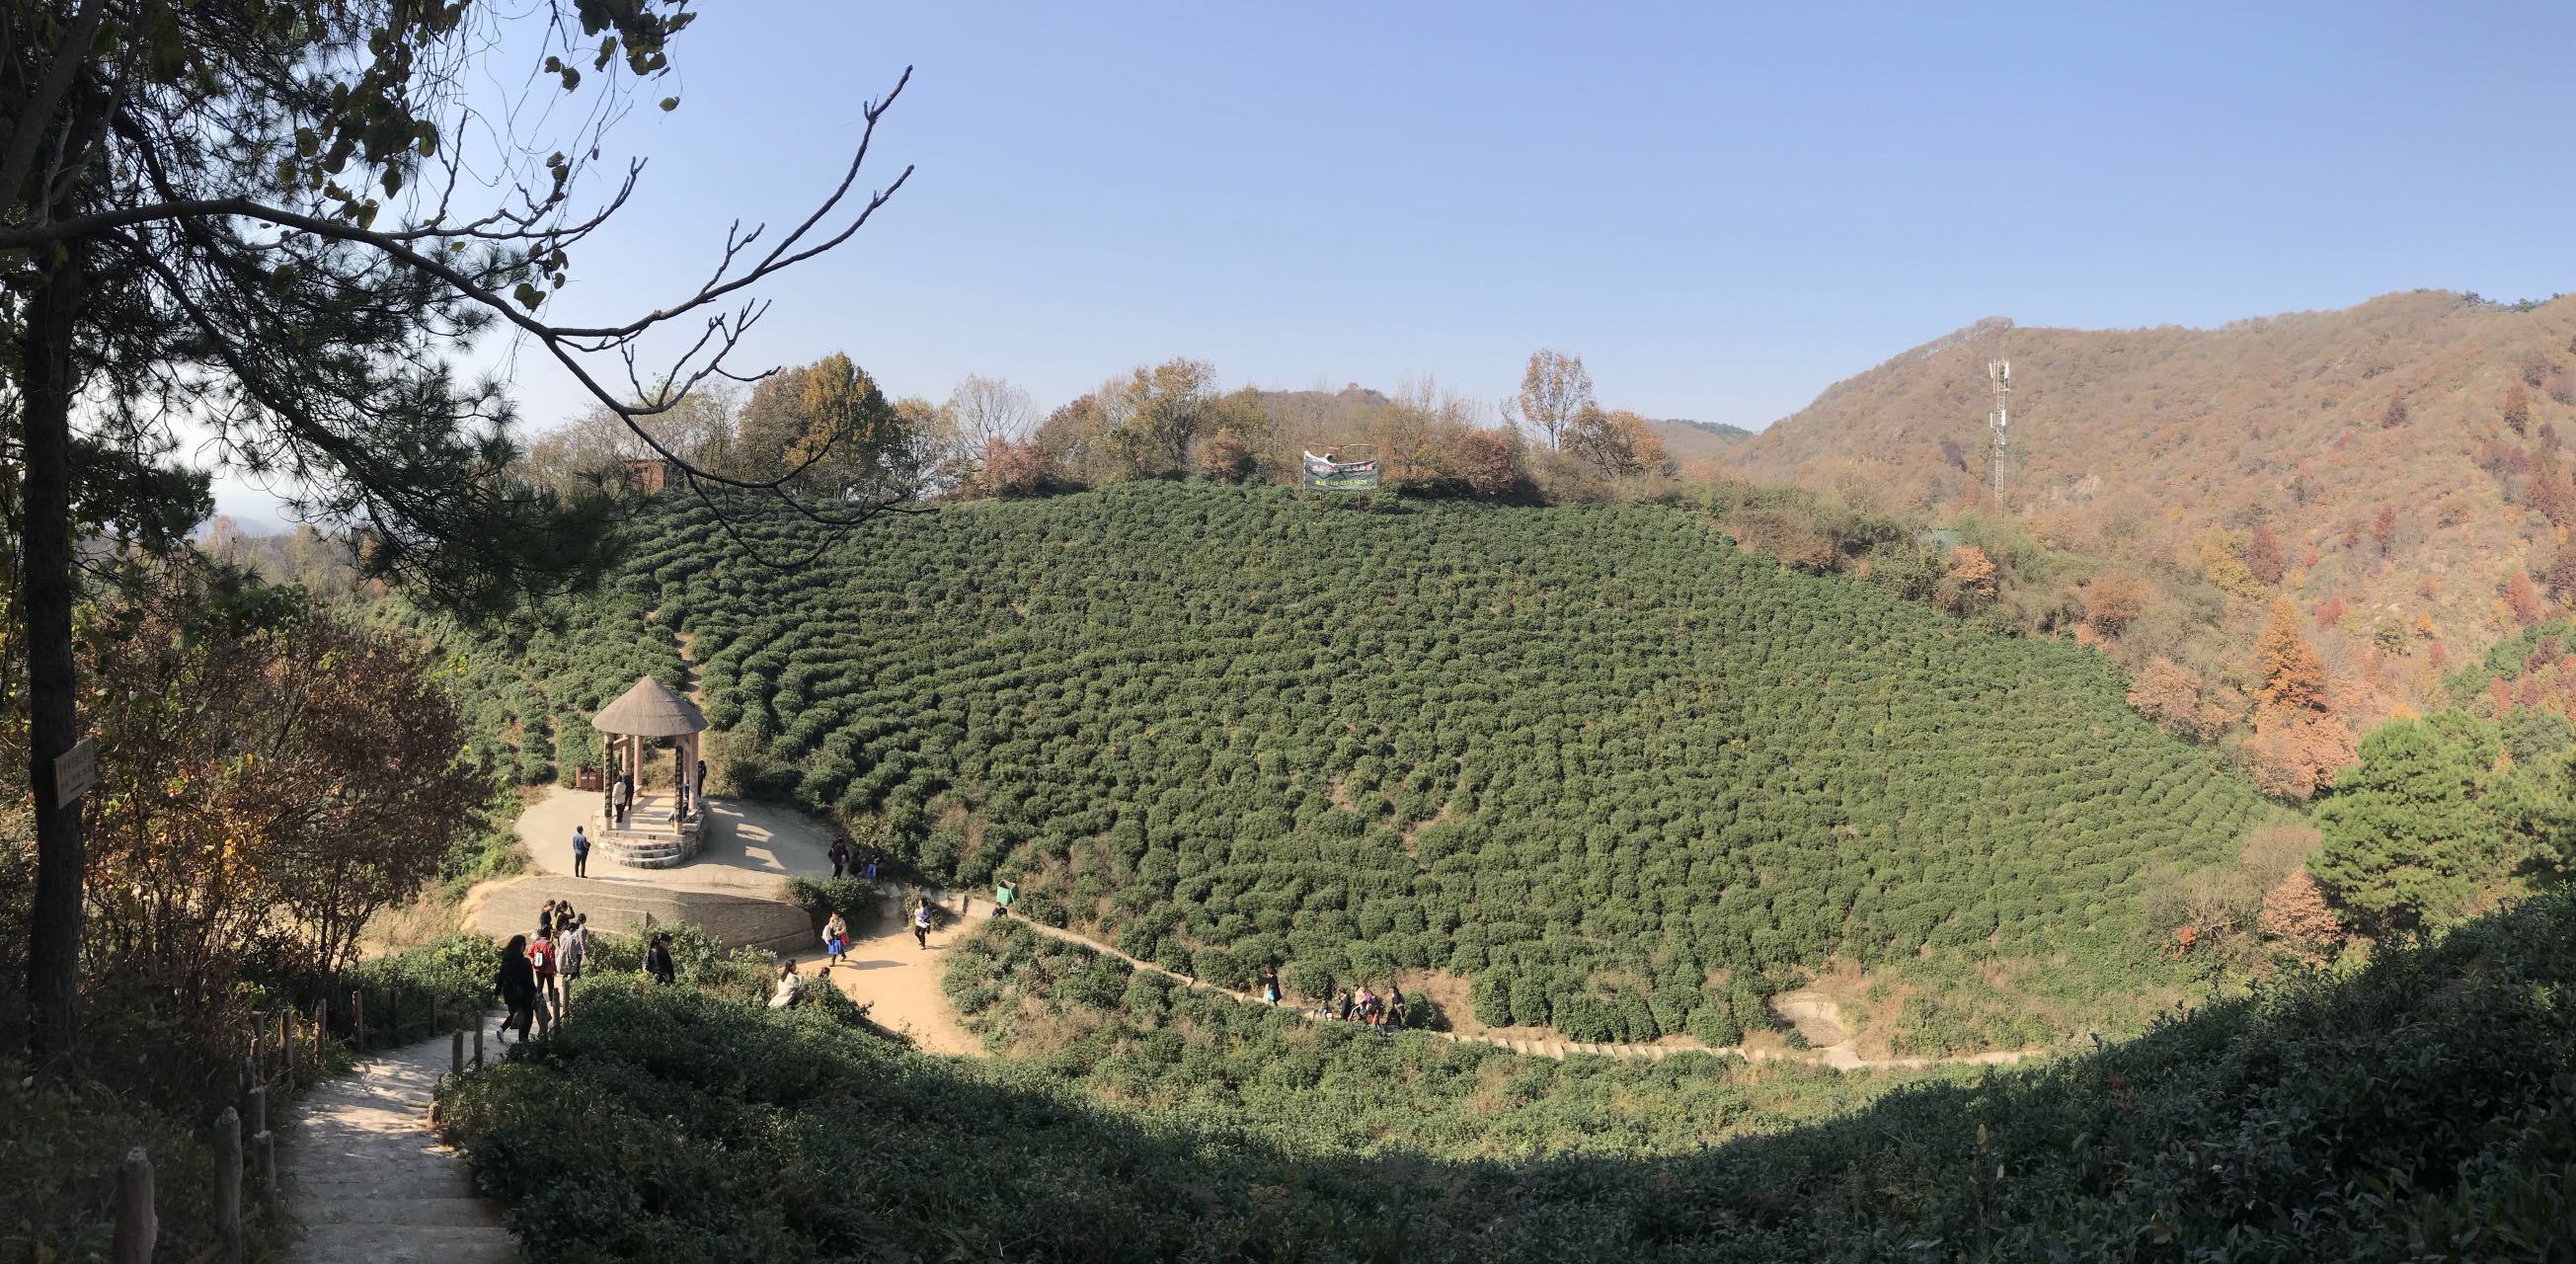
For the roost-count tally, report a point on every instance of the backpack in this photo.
(541, 956)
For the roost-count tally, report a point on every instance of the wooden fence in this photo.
(284, 1048)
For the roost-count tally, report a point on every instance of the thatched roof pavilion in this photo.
(649, 710)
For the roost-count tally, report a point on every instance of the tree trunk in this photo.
(54, 929)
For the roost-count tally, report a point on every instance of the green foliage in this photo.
(2419, 1109)
(2410, 832)
(458, 969)
(1562, 746)
(855, 899)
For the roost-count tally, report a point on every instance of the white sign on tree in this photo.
(75, 771)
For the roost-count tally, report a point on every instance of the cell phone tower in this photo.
(2000, 373)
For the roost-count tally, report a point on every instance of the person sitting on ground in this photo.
(791, 985)
(657, 959)
(836, 939)
(516, 984)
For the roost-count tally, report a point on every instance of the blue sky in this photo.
(1722, 210)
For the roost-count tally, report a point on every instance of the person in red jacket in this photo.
(542, 960)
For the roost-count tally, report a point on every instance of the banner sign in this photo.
(1325, 474)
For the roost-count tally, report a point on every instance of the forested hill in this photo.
(2398, 460)
(1598, 761)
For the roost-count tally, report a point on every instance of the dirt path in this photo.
(900, 983)
(1841, 1057)
(368, 1181)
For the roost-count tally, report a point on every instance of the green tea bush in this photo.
(1571, 746)
(2418, 1109)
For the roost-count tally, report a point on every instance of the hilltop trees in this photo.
(1555, 390)
(261, 220)
(1617, 443)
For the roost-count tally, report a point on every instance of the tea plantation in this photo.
(1599, 761)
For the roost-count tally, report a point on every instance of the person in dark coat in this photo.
(515, 982)
(657, 959)
(840, 855)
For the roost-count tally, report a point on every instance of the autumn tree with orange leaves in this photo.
(272, 776)
(2298, 743)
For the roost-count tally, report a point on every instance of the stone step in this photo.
(425, 1244)
(463, 1211)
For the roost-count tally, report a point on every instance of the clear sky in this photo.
(1722, 209)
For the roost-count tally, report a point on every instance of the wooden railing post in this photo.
(136, 1223)
(265, 1147)
(228, 1177)
(259, 1047)
(358, 1019)
(478, 1044)
(456, 1051)
(286, 1043)
(393, 1015)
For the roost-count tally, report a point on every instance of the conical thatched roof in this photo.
(649, 710)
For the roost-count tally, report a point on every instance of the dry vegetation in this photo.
(2386, 468)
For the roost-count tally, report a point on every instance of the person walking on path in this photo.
(1395, 1005)
(840, 855)
(515, 982)
(1270, 984)
(580, 853)
(836, 940)
(572, 946)
(545, 921)
(541, 960)
(1342, 1007)
(657, 959)
(921, 923)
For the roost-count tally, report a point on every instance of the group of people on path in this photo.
(536, 972)
(1381, 1013)
(847, 862)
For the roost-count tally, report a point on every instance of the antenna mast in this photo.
(2000, 372)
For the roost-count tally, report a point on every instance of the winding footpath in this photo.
(1841, 1057)
(369, 1182)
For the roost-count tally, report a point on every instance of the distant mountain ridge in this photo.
(2391, 448)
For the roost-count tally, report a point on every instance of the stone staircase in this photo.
(369, 1182)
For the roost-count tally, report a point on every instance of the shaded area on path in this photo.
(369, 1182)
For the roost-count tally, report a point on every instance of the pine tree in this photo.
(2405, 837)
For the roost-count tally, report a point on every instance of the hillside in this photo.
(1610, 772)
(1686, 440)
(2374, 444)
